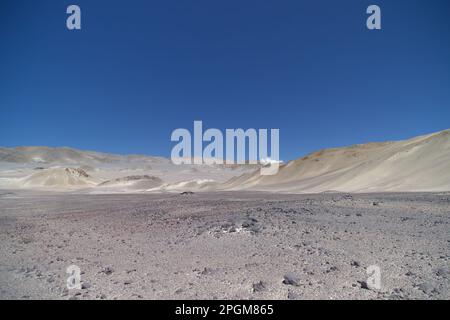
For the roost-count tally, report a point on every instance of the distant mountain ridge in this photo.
(418, 164)
(66, 155)
(69, 169)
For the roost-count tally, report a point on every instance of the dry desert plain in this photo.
(225, 245)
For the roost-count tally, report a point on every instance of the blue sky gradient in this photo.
(139, 69)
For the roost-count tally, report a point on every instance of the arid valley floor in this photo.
(231, 245)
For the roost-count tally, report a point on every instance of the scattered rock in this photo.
(364, 285)
(332, 269)
(443, 272)
(290, 280)
(347, 197)
(251, 225)
(259, 286)
(426, 287)
(355, 264)
(293, 296)
(85, 285)
(107, 270)
(77, 172)
(178, 291)
(206, 271)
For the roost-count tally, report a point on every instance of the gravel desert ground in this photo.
(231, 245)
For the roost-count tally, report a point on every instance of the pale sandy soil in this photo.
(224, 245)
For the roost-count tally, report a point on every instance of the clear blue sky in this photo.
(139, 69)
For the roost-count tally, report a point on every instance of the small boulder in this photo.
(290, 280)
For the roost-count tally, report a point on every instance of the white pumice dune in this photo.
(418, 164)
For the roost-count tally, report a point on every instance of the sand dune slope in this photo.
(59, 178)
(418, 164)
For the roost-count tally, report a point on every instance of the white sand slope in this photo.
(59, 178)
(418, 164)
